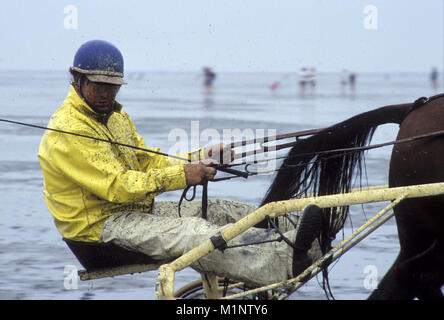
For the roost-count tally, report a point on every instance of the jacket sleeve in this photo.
(92, 165)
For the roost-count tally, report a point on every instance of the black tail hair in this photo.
(307, 170)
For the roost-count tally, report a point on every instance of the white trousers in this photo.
(163, 235)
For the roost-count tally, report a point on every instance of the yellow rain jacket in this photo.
(86, 181)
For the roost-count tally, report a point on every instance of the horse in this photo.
(312, 164)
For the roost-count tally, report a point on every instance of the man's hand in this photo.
(196, 172)
(219, 153)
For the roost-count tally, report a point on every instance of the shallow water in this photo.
(33, 257)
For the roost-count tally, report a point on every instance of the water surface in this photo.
(32, 254)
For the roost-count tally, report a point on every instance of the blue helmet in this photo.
(100, 61)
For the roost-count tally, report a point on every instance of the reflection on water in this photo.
(208, 101)
(34, 257)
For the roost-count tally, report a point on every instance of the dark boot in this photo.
(308, 229)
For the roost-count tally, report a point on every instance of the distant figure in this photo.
(275, 85)
(304, 78)
(344, 80)
(434, 78)
(209, 77)
(352, 81)
(313, 78)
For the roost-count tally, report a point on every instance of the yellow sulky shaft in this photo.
(165, 288)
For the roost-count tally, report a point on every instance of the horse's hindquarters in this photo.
(420, 162)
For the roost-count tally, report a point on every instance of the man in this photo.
(209, 77)
(103, 192)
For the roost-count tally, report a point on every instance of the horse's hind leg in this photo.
(430, 292)
(399, 282)
(395, 285)
(419, 277)
(431, 279)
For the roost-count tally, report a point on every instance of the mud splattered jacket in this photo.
(86, 181)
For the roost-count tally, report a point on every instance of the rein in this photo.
(219, 167)
(343, 150)
(418, 103)
(227, 168)
(263, 149)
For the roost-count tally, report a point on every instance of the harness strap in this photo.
(184, 196)
(219, 242)
(204, 198)
(422, 101)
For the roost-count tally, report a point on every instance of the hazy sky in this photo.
(229, 35)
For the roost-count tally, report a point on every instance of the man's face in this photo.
(99, 94)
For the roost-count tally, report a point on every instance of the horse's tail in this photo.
(306, 169)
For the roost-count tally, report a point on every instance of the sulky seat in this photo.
(107, 259)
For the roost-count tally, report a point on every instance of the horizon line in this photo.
(134, 71)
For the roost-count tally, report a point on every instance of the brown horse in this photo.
(418, 270)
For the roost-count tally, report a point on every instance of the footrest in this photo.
(116, 271)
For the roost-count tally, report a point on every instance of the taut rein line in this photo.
(343, 150)
(418, 103)
(263, 149)
(219, 167)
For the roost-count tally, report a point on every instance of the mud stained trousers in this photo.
(163, 235)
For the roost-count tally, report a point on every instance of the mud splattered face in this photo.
(99, 95)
